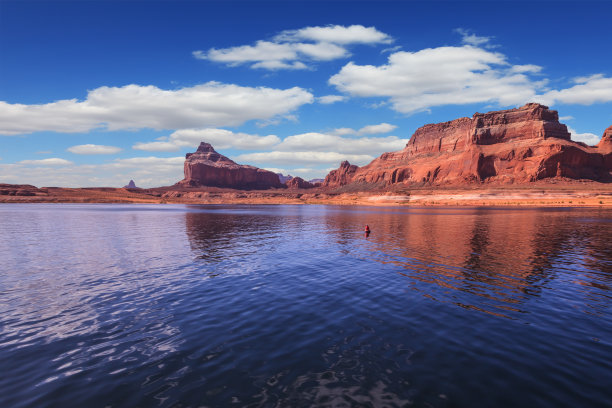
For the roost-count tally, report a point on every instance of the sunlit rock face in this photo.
(341, 176)
(206, 167)
(296, 183)
(509, 146)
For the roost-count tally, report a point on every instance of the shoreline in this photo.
(536, 195)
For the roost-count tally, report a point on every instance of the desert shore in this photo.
(546, 194)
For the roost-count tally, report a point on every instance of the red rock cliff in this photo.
(206, 167)
(509, 146)
(341, 176)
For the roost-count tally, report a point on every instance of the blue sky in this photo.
(98, 93)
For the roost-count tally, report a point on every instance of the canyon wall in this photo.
(508, 146)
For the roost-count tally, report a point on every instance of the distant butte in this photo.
(514, 146)
(131, 184)
(207, 168)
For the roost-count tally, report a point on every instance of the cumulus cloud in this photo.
(136, 107)
(145, 171)
(329, 99)
(52, 161)
(354, 34)
(323, 142)
(469, 38)
(366, 130)
(587, 91)
(376, 129)
(416, 81)
(305, 157)
(589, 138)
(219, 138)
(93, 149)
(473, 73)
(293, 49)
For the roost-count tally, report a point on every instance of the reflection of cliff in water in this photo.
(505, 257)
(232, 232)
(216, 236)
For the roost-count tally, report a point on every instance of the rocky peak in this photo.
(131, 184)
(205, 148)
(606, 140)
(208, 153)
(340, 176)
(206, 167)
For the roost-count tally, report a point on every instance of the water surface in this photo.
(171, 305)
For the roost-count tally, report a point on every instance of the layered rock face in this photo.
(206, 167)
(341, 176)
(21, 190)
(509, 146)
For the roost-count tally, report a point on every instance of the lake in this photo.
(293, 306)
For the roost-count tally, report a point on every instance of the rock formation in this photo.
(298, 182)
(206, 167)
(605, 144)
(131, 184)
(509, 146)
(24, 190)
(341, 176)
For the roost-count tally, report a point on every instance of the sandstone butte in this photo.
(514, 146)
(208, 168)
(296, 183)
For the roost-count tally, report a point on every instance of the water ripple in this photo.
(259, 306)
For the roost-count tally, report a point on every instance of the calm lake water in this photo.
(292, 306)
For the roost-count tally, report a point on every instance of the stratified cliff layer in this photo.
(509, 146)
(206, 167)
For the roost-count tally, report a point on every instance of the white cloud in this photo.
(416, 81)
(329, 99)
(145, 171)
(322, 142)
(136, 107)
(322, 51)
(261, 51)
(219, 138)
(302, 158)
(53, 161)
(366, 130)
(587, 91)
(588, 138)
(562, 118)
(354, 34)
(526, 68)
(377, 129)
(293, 49)
(469, 38)
(344, 131)
(272, 65)
(148, 161)
(93, 149)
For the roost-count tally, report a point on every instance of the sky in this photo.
(95, 93)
